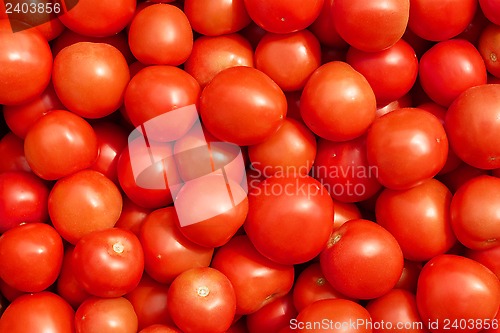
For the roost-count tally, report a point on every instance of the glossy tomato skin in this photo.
(24, 199)
(12, 151)
(132, 216)
(84, 202)
(44, 311)
(487, 257)
(273, 316)
(409, 276)
(324, 28)
(167, 252)
(109, 263)
(408, 146)
(67, 285)
(449, 68)
(490, 10)
(474, 213)
(290, 218)
(209, 296)
(343, 212)
(106, 315)
(471, 125)
(362, 260)
(59, 144)
(488, 47)
(337, 102)
(32, 256)
(256, 280)
(359, 23)
(457, 289)
(158, 328)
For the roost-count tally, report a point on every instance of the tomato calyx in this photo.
(203, 291)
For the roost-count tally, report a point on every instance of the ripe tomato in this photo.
(158, 328)
(359, 22)
(273, 316)
(407, 146)
(337, 102)
(109, 263)
(409, 277)
(12, 151)
(132, 216)
(256, 280)
(59, 144)
(490, 10)
(67, 285)
(31, 256)
(343, 212)
(84, 202)
(488, 47)
(324, 28)
(362, 260)
(289, 218)
(455, 291)
(209, 296)
(106, 315)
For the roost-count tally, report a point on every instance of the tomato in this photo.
(167, 252)
(427, 19)
(403, 102)
(324, 28)
(216, 18)
(90, 78)
(38, 312)
(161, 34)
(158, 328)
(463, 173)
(109, 263)
(27, 74)
(332, 315)
(391, 72)
(473, 134)
(256, 280)
(273, 316)
(209, 296)
(67, 285)
(359, 22)
(283, 16)
(84, 202)
(419, 219)
(487, 257)
(454, 292)
(211, 55)
(59, 144)
(289, 218)
(343, 212)
(292, 149)
(490, 10)
(288, 59)
(396, 309)
(32, 256)
(362, 260)
(132, 216)
(409, 277)
(407, 146)
(105, 18)
(12, 151)
(337, 102)
(489, 49)
(23, 199)
(449, 68)
(106, 315)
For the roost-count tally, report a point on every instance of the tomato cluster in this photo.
(309, 166)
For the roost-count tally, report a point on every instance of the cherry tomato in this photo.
(489, 49)
(106, 315)
(273, 316)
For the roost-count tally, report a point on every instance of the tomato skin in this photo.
(158, 328)
(489, 49)
(273, 316)
(257, 281)
(473, 134)
(408, 146)
(106, 315)
(12, 151)
(409, 276)
(452, 287)
(343, 212)
(59, 144)
(324, 28)
(289, 218)
(366, 251)
(449, 68)
(490, 10)
(67, 285)
(359, 22)
(109, 263)
(38, 312)
(132, 216)
(337, 102)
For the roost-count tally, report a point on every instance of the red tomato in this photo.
(490, 10)
(409, 277)
(273, 316)
(359, 22)
(324, 28)
(25, 64)
(488, 47)
(23, 199)
(132, 216)
(407, 146)
(288, 59)
(31, 256)
(337, 102)
(343, 212)
(472, 126)
(454, 294)
(216, 18)
(90, 78)
(488, 257)
(109, 263)
(12, 152)
(59, 144)
(449, 68)
(38, 312)
(283, 16)
(208, 296)
(67, 285)
(167, 253)
(463, 173)
(440, 20)
(362, 260)
(256, 280)
(289, 218)
(159, 329)
(84, 202)
(106, 315)
(403, 102)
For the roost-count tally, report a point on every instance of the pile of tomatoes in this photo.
(249, 166)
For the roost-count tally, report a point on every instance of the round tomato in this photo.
(273, 316)
(324, 28)
(12, 152)
(488, 47)
(106, 315)
(67, 284)
(490, 10)
(132, 216)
